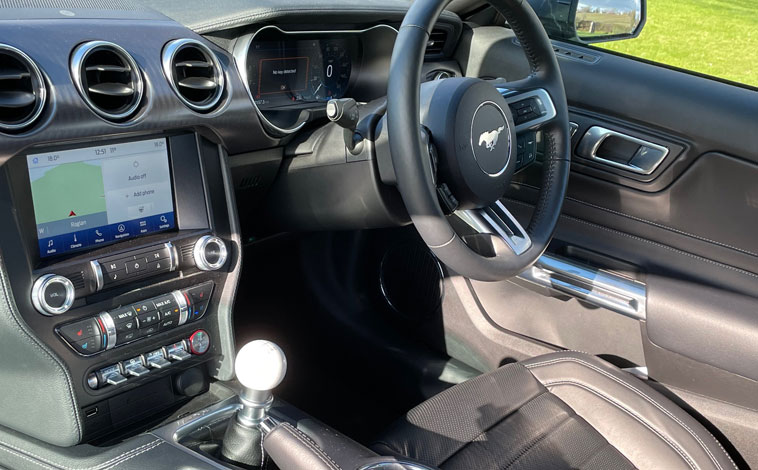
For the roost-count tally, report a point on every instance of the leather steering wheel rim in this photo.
(415, 179)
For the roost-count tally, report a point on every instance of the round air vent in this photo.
(194, 73)
(22, 90)
(108, 79)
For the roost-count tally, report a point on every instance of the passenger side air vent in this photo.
(108, 79)
(436, 42)
(194, 73)
(22, 90)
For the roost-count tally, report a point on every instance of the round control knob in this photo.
(209, 253)
(260, 365)
(52, 294)
(199, 342)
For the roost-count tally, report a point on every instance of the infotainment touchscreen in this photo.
(96, 195)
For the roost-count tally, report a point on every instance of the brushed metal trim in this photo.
(167, 62)
(600, 287)
(596, 135)
(41, 90)
(38, 294)
(78, 57)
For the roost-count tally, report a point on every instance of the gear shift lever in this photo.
(260, 366)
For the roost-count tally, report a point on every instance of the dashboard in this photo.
(135, 161)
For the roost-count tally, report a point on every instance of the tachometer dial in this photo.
(337, 65)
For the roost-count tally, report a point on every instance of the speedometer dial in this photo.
(337, 65)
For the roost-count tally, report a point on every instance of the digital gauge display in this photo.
(298, 71)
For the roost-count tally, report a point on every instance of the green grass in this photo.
(712, 37)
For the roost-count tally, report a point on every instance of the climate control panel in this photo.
(139, 320)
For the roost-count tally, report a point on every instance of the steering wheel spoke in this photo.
(496, 220)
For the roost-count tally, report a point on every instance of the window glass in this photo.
(712, 37)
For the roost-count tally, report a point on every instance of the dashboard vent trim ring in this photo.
(116, 87)
(201, 77)
(23, 90)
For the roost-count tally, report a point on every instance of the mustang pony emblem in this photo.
(489, 139)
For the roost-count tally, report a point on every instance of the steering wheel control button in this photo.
(491, 138)
(53, 294)
(209, 253)
(134, 367)
(177, 352)
(199, 342)
(157, 359)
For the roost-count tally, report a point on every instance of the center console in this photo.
(122, 256)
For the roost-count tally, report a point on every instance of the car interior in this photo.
(370, 235)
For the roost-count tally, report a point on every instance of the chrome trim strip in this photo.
(198, 253)
(41, 90)
(78, 57)
(183, 306)
(394, 464)
(599, 287)
(172, 256)
(543, 99)
(97, 270)
(240, 53)
(497, 220)
(110, 329)
(596, 135)
(167, 60)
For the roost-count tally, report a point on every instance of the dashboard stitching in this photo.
(650, 222)
(7, 296)
(49, 464)
(644, 240)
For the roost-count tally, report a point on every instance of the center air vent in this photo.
(108, 79)
(194, 73)
(22, 90)
(436, 42)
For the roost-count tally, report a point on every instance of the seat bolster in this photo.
(646, 427)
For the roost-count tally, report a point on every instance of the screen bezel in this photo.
(190, 205)
(104, 244)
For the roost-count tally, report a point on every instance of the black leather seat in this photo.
(561, 410)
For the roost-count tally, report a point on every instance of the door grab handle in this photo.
(644, 161)
(596, 286)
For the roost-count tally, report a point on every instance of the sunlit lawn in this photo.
(713, 37)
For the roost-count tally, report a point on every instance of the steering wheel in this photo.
(454, 140)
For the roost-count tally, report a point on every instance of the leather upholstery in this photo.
(561, 410)
(291, 449)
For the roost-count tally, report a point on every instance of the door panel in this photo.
(687, 230)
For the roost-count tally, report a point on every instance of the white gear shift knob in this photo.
(260, 365)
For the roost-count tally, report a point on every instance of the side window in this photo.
(718, 38)
(712, 37)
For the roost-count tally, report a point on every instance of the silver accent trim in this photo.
(167, 60)
(92, 381)
(157, 362)
(110, 330)
(241, 49)
(596, 286)
(78, 57)
(394, 464)
(97, 271)
(41, 90)
(573, 127)
(135, 369)
(198, 253)
(183, 307)
(38, 294)
(596, 135)
(177, 351)
(172, 256)
(255, 407)
(507, 131)
(542, 97)
(497, 220)
(639, 372)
